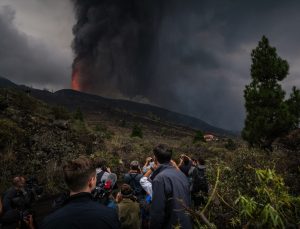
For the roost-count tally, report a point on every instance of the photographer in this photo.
(148, 164)
(16, 205)
(81, 211)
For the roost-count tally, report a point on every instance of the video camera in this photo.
(103, 190)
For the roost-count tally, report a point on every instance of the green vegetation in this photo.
(60, 112)
(137, 131)
(78, 115)
(271, 206)
(10, 133)
(103, 131)
(199, 137)
(230, 144)
(268, 114)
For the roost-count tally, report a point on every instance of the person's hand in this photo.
(29, 221)
(119, 197)
(108, 170)
(173, 163)
(148, 160)
(154, 166)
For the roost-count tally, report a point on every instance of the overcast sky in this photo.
(212, 39)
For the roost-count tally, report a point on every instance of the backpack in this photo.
(199, 181)
(134, 182)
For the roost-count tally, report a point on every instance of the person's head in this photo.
(80, 175)
(135, 165)
(100, 163)
(185, 159)
(126, 191)
(149, 159)
(19, 182)
(201, 161)
(195, 162)
(162, 153)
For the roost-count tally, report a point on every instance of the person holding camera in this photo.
(81, 211)
(16, 206)
(148, 164)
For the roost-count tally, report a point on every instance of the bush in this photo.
(9, 133)
(137, 131)
(271, 206)
(78, 115)
(230, 145)
(198, 137)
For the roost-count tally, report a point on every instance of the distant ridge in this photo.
(7, 83)
(94, 103)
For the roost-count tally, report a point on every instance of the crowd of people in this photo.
(156, 195)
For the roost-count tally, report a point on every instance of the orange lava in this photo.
(75, 80)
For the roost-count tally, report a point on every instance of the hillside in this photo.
(116, 108)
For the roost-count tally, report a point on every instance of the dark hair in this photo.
(162, 153)
(78, 172)
(201, 161)
(126, 190)
(135, 165)
(185, 159)
(100, 163)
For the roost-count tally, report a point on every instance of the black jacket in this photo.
(82, 212)
(15, 203)
(171, 195)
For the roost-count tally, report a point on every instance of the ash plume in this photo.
(113, 44)
(153, 51)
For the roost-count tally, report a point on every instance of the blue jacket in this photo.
(82, 212)
(171, 195)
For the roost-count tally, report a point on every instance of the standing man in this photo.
(171, 194)
(81, 211)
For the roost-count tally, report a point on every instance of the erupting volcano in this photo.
(75, 80)
(114, 43)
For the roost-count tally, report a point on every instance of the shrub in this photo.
(271, 206)
(198, 137)
(137, 131)
(9, 133)
(78, 115)
(230, 145)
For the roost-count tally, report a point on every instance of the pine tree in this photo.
(268, 114)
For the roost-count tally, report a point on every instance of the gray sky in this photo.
(204, 58)
(35, 42)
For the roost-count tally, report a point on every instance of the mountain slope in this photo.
(93, 103)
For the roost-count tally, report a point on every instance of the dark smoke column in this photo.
(114, 41)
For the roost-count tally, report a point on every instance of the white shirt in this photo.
(147, 185)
